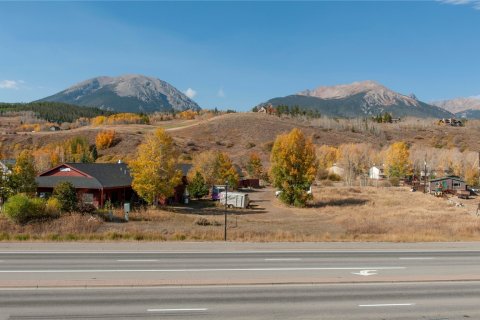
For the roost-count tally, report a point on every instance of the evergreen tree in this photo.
(197, 188)
(66, 194)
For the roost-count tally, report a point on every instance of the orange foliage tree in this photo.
(105, 139)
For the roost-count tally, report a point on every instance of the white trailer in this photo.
(235, 199)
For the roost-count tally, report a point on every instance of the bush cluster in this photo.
(22, 209)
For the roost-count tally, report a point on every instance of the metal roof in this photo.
(101, 175)
(446, 178)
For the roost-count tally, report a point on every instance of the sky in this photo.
(238, 54)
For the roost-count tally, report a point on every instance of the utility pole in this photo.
(425, 174)
(226, 205)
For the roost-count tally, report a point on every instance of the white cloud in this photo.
(221, 93)
(10, 84)
(474, 3)
(190, 93)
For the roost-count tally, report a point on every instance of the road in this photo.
(258, 281)
(340, 301)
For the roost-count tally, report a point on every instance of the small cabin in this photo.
(448, 184)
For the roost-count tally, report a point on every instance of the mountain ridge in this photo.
(359, 99)
(468, 107)
(125, 93)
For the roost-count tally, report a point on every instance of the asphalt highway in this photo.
(426, 301)
(91, 268)
(239, 281)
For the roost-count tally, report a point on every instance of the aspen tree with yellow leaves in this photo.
(154, 171)
(294, 167)
(397, 160)
(215, 167)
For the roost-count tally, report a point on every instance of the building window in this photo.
(65, 169)
(87, 198)
(456, 184)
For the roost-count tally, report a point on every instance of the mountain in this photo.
(127, 93)
(462, 107)
(366, 98)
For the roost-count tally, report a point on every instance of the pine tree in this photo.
(197, 188)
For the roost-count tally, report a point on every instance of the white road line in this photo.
(416, 258)
(197, 270)
(283, 259)
(235, 252)
(139, 260)
(387, 305)
(177, 310)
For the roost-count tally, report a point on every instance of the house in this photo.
(6, 165)
(98, 182)
(451, 122)
(376, 173)
(95, 182)
(262, 109)
(448, 184)
(335, 169)
(267, 109)
(54, 128)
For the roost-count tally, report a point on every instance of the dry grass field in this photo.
(336, 214)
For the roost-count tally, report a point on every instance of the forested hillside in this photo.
(53, 111)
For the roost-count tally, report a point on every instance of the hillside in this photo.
(238, 134)
(127, 93)
(360, 99)
(53, 111)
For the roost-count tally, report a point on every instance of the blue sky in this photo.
(238, 54)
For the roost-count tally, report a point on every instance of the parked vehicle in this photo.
(278, 192)
(216, 189)
(235, 199)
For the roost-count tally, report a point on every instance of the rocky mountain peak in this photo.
(129, 92)
(375, 93)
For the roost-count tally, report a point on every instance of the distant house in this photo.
(451, 122)
(54, 128)
(268, 109)
(95, 182)
(7, 165)
(335, 169)
(376, 173)
(450, 184)
(262, 109)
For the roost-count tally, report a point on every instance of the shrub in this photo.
(394, 181)
(86, 208)
(334, 177)
(21, 209)
(53, 207)
(105, 139)
(67, 196)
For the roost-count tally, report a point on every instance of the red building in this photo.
(95, 182)
(98, 182)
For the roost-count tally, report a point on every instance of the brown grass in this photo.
(337, 214)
